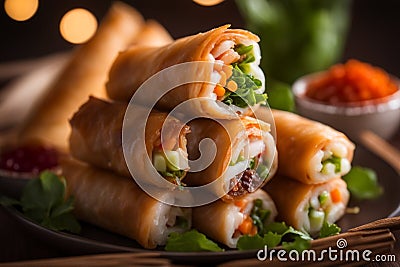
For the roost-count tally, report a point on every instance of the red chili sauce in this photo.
(351, 82)
(29, 158)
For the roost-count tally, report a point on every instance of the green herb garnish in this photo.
(190, 241)
(247, 84)
(269, 239)
(298, 244)
(259, 215)
(43, 200)
(363, 183)
(329, 230)
(274, 234)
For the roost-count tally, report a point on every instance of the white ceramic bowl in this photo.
(380, 116)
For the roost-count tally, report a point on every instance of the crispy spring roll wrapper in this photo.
(222, 221)
(120, 206)
(153, 34)
(308, 149)
(96, 135)
(295, 202)
(137, 64)
(235, 141)
(85, 74)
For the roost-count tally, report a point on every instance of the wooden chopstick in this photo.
(101, 260)
(373, 236)
(381, 148)
(392, 223)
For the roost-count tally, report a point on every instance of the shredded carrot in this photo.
(253, 230)
(241, 203)
(253, 129)
(219, 90)
(246, 227)
(336, 195)
(353, 81)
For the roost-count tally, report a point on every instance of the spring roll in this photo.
(153, 34)
(245, 156)
(96, 138)
(232, 73)
(120, 206)
(309, 151)
(84, 75)
(306, 207)
(227, 222)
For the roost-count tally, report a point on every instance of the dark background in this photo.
(374, 35)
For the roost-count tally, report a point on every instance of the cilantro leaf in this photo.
(329, 230)
(43, 200)
(247, 85)
(270, 240)
(298, 244)
(190, 241)
(245, 94)
(277, 227)
(274, 234)
(247, 242)
(363, 183)
(63, 222)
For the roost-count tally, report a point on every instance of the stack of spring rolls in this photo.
(308, 190)
(312, 157)
(99, 176)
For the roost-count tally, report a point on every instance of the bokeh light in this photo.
(21, 10)
(78, 25)
(208, 2)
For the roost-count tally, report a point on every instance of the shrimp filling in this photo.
(240, 81)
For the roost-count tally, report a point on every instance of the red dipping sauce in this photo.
(352, 82)
(29, 159)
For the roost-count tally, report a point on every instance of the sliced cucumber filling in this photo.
(159, 162)
(172, 158)
(171, 165)
(316, 219)
(324, 198)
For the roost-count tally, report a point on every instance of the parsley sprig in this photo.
(190, 241)
(274, 234)
(43, 200)
(247, 84)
